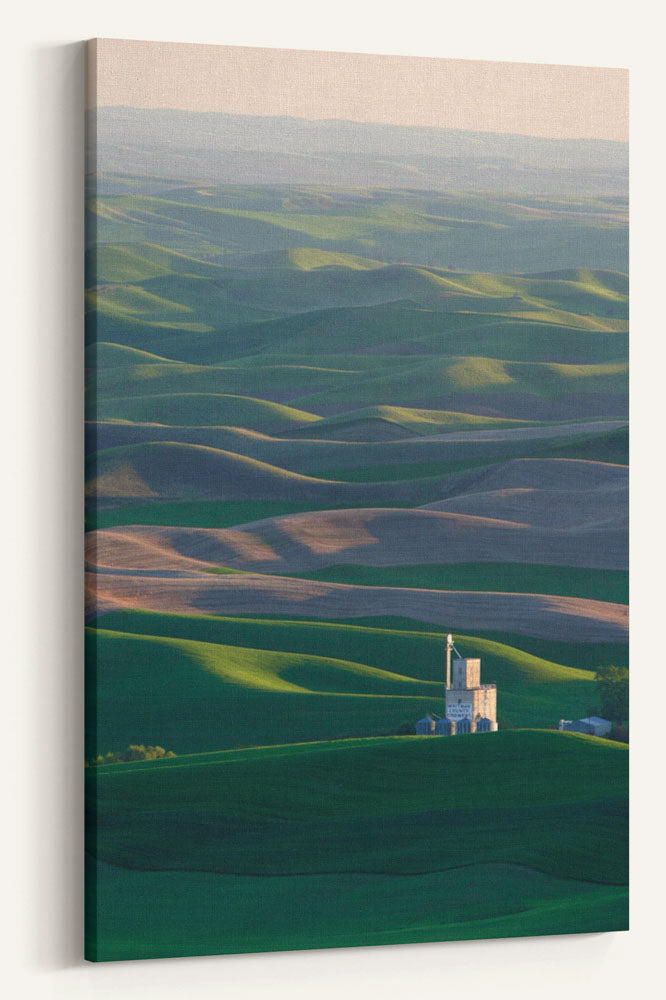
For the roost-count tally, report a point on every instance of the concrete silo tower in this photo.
(469, 703)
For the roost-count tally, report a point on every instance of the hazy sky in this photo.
(526, 98)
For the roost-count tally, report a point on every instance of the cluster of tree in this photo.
(613, 693)
(135, 751)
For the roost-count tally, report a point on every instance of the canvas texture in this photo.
(356, 500)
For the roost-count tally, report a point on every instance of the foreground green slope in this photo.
(150, 914)
(375, 841)
(387, 791)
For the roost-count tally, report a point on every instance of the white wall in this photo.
(41, 349)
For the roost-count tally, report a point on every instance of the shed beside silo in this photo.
(593, 725)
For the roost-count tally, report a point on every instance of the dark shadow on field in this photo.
(54, 101)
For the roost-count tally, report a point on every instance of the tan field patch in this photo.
(538, 615)
(328, 535)
(122, 481)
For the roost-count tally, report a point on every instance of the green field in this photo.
(539, 816)
(200, 513)
(353, 385)
(197, 408)
(526, 578)
(304, 681)
(148, 914)
(471, 230)
(420, 422)
(582, 655)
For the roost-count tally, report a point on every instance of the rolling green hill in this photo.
(580, 655)
(537, 817)
(377, 641)
(172, 471)
(313, 451)
(528, 578)
(219, 688)
(297, 679)
(163, 914)
(198, 408)
(399, 329)
(473, 232)
(475, 384)
(334, 278)
(417, 422)
(411, 778)
(105, 355)
(131, 263)
(451, 378)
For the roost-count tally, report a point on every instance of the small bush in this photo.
(135, 751)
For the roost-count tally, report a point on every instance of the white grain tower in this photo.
(470, 705)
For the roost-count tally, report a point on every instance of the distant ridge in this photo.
(251, 149)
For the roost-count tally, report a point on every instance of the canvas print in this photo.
(356, 500)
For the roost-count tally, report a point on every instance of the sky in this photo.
(557, 102)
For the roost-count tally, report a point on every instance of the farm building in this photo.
(471, 707)
(591, 726)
